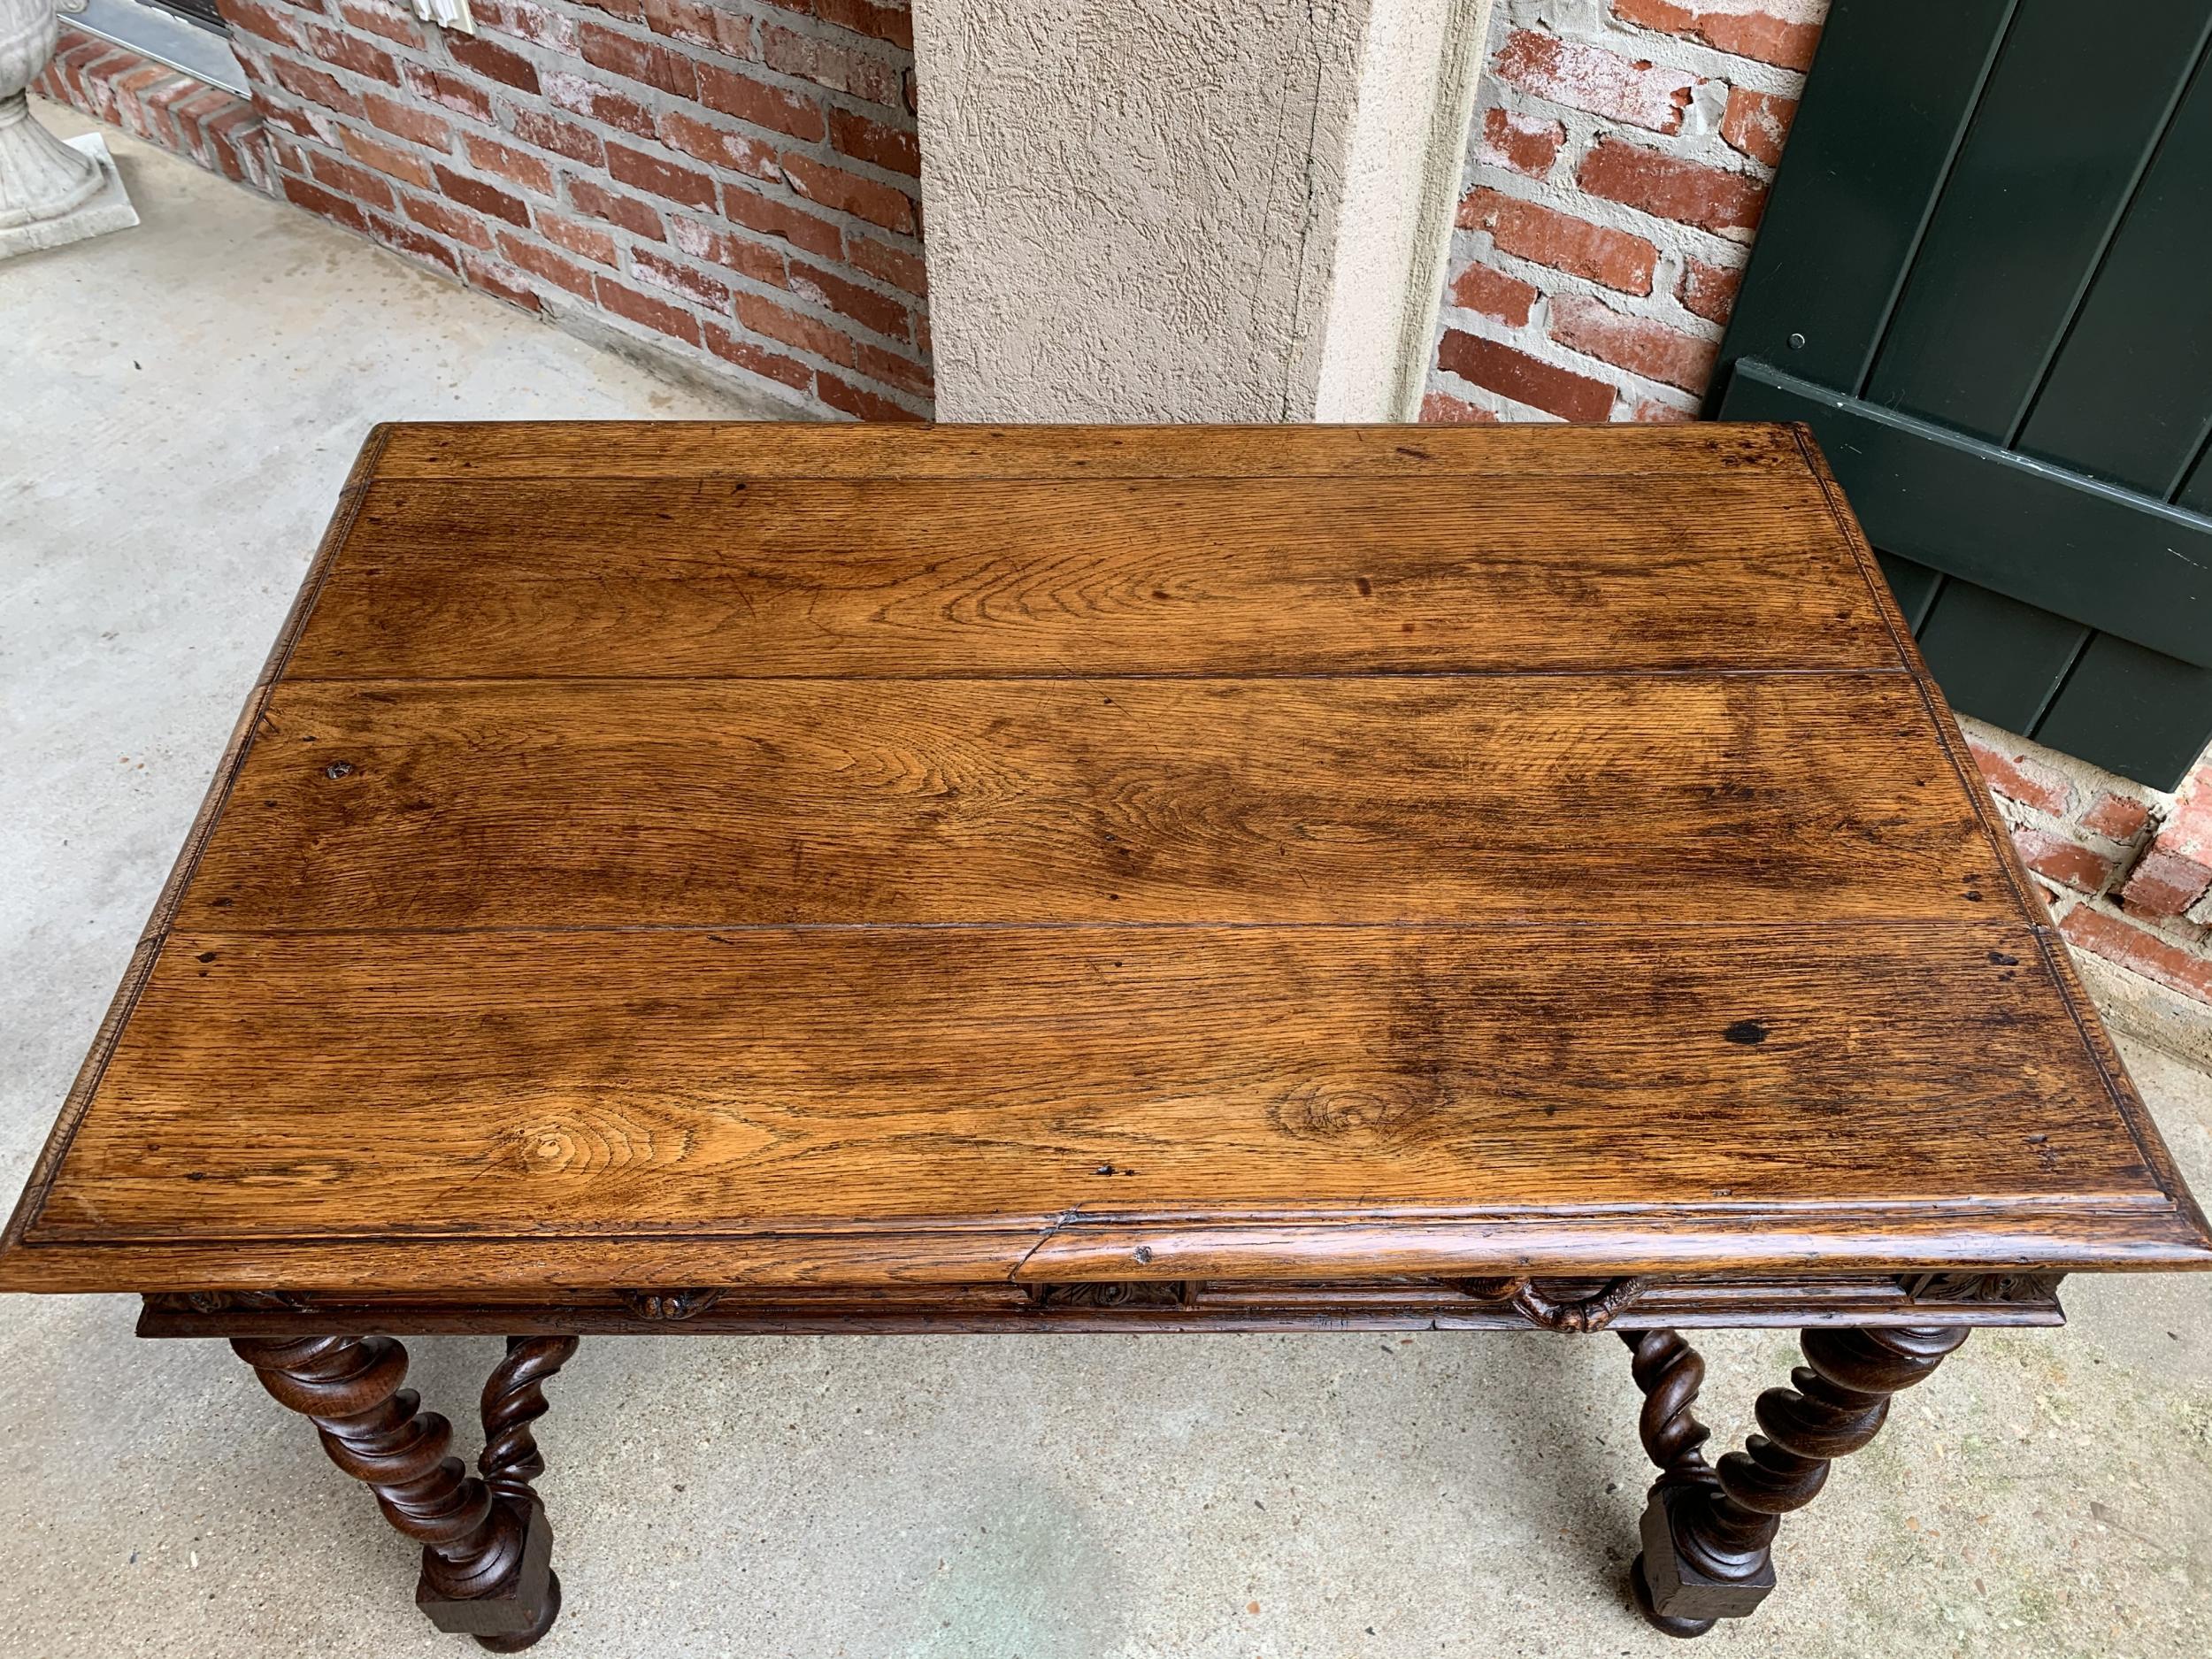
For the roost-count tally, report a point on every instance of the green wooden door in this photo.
(1985, 278)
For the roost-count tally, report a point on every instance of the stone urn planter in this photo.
(51, 192)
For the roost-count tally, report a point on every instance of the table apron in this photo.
(1906, 1299)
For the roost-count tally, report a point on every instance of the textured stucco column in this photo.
(1189, 210)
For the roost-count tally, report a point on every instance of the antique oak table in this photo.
(842, 879)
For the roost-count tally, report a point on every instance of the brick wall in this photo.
(205, 124)
(734, 183)
(2128, 870)
(1618, 164)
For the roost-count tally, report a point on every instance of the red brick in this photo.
(1757, 123)
(886, 147)
(357, 182)
(2068, 863)
(2165, 884)
(893, 23)
(894, 370)
(685, 282)
(1525, 380)
(581, 96)
(500, 281)
(315, 199)
(350, 52)
(268, 22)
(563, 138)
(886, 264)
(1493, 293)
(794, 328)
(528, 21)
(387, 159)
(756, 101)
(1520, 143)
(2140, 950)
(829, 64)
(640, 219)
(795, 226)
(385, 21)
(406, 121)
(2016, 778)
(1547, 237)
(407, 240)
(2189, 830)
(1761, 35)
(1688, 192)
(740, 254)
(634, 59)
(657, 314)
(543, 262)
(727, 32)
(1709, 289)
(447, 219)
(315, 86)
(665, 179)
(863, 306)
(856, 400)
(723, 146)
(464, 97)
(485, 198)
(2116, 818)
(1592, 78)
(628, 10)
(517, 166)
(1635, 344)
(578, 237)
(770, 365)
(491, 60)
(1652, 412)
(833, 187)
(1440, 410)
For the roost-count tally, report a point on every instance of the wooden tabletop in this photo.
(665, 854)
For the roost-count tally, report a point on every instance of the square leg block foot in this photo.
(527, 1608)
(1680, 1591)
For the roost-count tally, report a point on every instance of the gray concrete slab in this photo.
(195, 390)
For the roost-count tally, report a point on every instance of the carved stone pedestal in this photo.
(51, 192)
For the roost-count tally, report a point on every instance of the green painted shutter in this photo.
(1985, 278)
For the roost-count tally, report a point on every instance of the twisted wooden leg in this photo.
(485, 1559)
(514, 1398)
(1709, 1532)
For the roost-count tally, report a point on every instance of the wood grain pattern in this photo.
(668, 858)
(763, 1081)
(564, 451)
(1236, 576)
(499, 804)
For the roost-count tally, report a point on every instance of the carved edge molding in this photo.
(670, 1306)
(2001, 1288)
(1593, 1312)
(1141, 1293)
(230, 1302)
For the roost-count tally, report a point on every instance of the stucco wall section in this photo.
(1416, 92)
(1126, 201)
(1137, 207)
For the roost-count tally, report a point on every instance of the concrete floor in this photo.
(193, 393)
